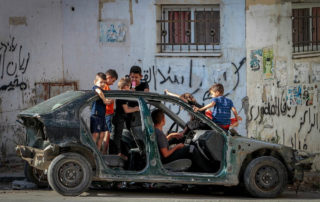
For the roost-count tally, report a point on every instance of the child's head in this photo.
(124, 84)
(158, 117)
(100, 79)
(217, 90)
(135, 74)
(111, 76)
(189, 97)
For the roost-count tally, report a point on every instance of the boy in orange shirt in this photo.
(111, 76)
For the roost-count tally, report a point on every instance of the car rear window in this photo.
(53, 103)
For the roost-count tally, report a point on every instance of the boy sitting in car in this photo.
(179, 151)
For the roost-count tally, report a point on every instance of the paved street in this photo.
(8, 195)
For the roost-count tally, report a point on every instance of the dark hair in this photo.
(124, 82)
(218, 87)
(157, 116)
(136, 70)
(101, 76)
(112, 73)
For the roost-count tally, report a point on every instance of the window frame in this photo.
(307, 50)
(191, 48)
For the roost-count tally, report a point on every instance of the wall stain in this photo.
(17, 21)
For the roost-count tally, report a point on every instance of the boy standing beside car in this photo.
(111, 77)
(98, 126)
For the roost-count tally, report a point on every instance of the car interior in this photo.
(210, 143)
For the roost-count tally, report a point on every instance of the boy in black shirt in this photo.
(122, 109)
(137, 83)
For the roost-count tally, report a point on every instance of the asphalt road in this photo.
(147, 195)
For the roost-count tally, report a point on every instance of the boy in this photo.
(136, 80)
(98, 111)
(222, 107)
(111, 76)
(122, 109)
(179, 151)
(137, 84)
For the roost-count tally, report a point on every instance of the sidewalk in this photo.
(9, 173)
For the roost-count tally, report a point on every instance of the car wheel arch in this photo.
(259, 153)
(84, 151)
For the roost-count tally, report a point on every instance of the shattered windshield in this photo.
(53, 103)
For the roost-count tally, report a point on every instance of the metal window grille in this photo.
(306, 29)
(189, 29)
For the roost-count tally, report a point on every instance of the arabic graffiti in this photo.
(207, 96)
(276, 106)
(173, 79)
(307, 120)
(12, 63)
(13, 84)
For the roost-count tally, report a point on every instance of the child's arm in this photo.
(175, 95)
(128, 109)
(101, 95)
(205, 107)
(174, 135)
(146, 90)
(235, 113)
(171, 94)
(167, 152)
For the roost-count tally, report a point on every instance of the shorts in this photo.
(97, 124)
(109, 122)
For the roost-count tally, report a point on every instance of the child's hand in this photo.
(239, 118)
(195, 109)
(136, 108)
(179, 146)
(178, 135)
(108, 101)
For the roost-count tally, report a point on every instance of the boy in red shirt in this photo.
(111, 76)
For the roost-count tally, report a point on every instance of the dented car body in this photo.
(59, 143)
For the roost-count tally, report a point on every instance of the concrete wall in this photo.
(30, 51)
(61, 41)
(277, 112)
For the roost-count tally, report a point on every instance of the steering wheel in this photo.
(172, 126)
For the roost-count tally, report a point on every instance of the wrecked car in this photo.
(59, 144)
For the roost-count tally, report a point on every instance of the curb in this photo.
(11, 178)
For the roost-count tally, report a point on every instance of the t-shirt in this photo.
(110, 107)
(98, 106)
(120, 114)
(161, 139)
(221, 112)
(142, 86)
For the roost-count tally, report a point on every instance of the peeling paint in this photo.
(101, 4)
(130, 11)
(17, 21)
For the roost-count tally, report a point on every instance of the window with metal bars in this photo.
(189, 29)
(306, 29)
